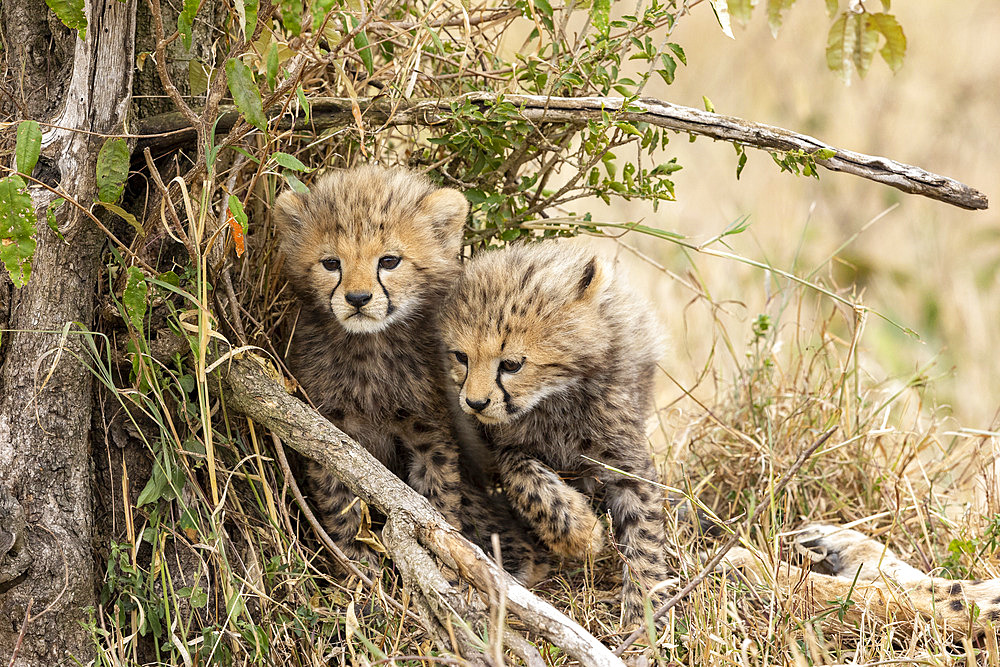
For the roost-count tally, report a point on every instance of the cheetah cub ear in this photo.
(591, 278)
(289, 211)
(447, 210)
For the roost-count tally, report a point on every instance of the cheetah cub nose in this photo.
(358, 299)
(477, 405)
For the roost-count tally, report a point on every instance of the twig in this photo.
(498, 14)
(730, 543)
(20, 635)
(338, 555)
(329, 111)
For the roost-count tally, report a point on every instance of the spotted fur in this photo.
(370, 253)
(848, 565)
(555, 357)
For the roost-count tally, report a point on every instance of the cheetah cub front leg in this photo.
(635, 506)
(560, 515)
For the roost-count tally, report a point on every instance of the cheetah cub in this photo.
(555, 356)
(370, 253)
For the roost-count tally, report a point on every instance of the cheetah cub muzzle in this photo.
(555, 357)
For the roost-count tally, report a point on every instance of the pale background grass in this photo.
(931, 267)
(928, 266)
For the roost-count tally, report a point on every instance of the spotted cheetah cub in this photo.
(555, 356)
(370, 253)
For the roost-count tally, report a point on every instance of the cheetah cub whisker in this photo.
(555, 356)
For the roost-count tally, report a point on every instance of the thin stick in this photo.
(733, 539)
(20, 635)
(338, 555)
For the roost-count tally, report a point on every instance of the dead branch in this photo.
(332, 112)
(416, 534)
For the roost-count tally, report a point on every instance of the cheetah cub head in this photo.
(523, 324)
(369, 247)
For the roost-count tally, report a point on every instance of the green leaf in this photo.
(894, 49)
(775, 14)
(50, 216)
(71, 13)
(679, 52)
(112, 170)
(170, 278)
(236, 206)
(289, 161)
(124, 215)
(824, 154)
(364, 51)
(245, 93)
(840, 45)
(295, 184)
(669, 67)
(197, 77)
(185, 20)
(600, 15)
(17, 229)
(831, 7)
(154, 487)
(303, 101)
(28, 147)
(134, 297)
(708, 104)
(867, 41)
(628, 128)
(250, 19)
(742, 160)
(272, 65)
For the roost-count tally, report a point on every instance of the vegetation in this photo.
(208, 558)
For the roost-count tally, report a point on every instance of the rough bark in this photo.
(38, 59)
(45, 392)
(332, 112)
(414, 531)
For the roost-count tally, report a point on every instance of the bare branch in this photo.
(327, 112)
(415, 529)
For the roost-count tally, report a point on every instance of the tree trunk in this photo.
(45, 390)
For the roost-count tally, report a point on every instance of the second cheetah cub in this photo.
(555, 356)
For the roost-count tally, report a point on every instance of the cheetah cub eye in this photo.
(460, 357)
(511, 366)
(389, 262)
(331, 264)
